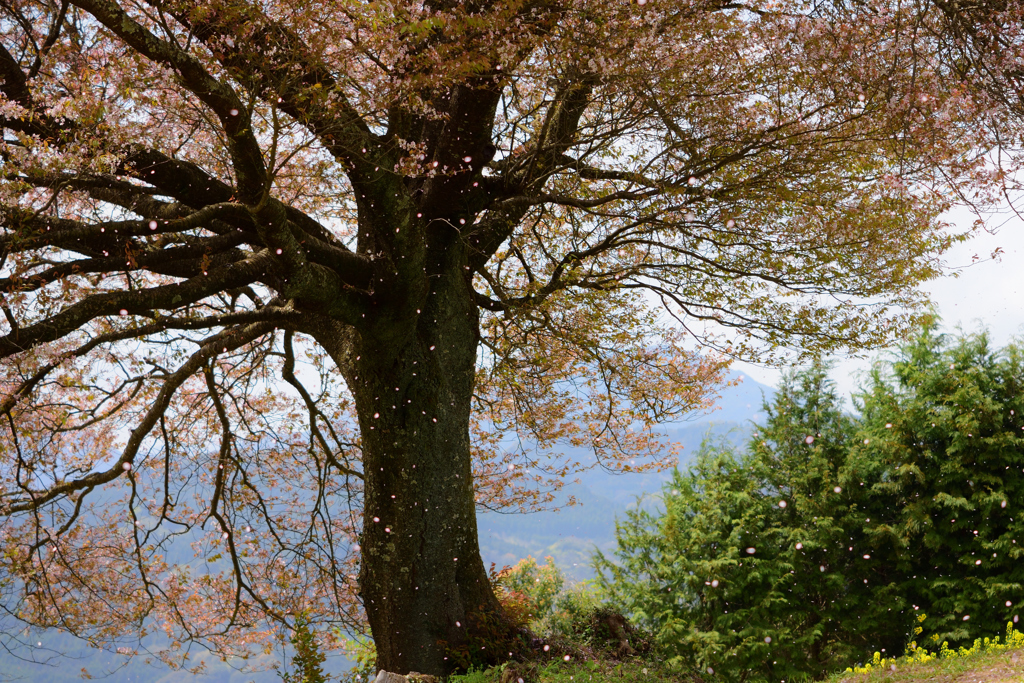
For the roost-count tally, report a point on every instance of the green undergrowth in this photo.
(585, 671)
(998, 662)
(988, 667)
(995, 660)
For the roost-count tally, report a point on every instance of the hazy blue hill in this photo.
(741, 402)
(569, 536)
(62, 657)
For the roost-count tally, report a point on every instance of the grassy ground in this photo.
(999, 660)
(1003, 666)
(987, 660)
(591, 671)
(994, 666)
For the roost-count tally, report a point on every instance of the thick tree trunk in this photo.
(423, 583)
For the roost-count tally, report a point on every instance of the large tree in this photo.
(470, 225)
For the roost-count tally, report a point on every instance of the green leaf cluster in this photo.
(308, 660)
(557, 608)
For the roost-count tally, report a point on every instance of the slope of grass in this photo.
(583, 671)
(998, 666)
(1002, 666)
(986, 661)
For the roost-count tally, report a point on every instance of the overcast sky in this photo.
(986, 293)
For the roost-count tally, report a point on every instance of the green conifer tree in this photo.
(943, 433)
(760, 562)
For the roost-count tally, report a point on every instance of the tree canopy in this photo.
(305, 284)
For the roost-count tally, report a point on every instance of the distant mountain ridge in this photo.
(570, 535)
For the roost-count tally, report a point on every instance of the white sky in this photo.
(987, 293)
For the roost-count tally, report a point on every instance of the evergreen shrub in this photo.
(757, 562)
(828, 536)
(942, 438)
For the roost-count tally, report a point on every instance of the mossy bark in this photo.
(422, 580)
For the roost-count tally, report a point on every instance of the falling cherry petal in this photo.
(305, 164)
